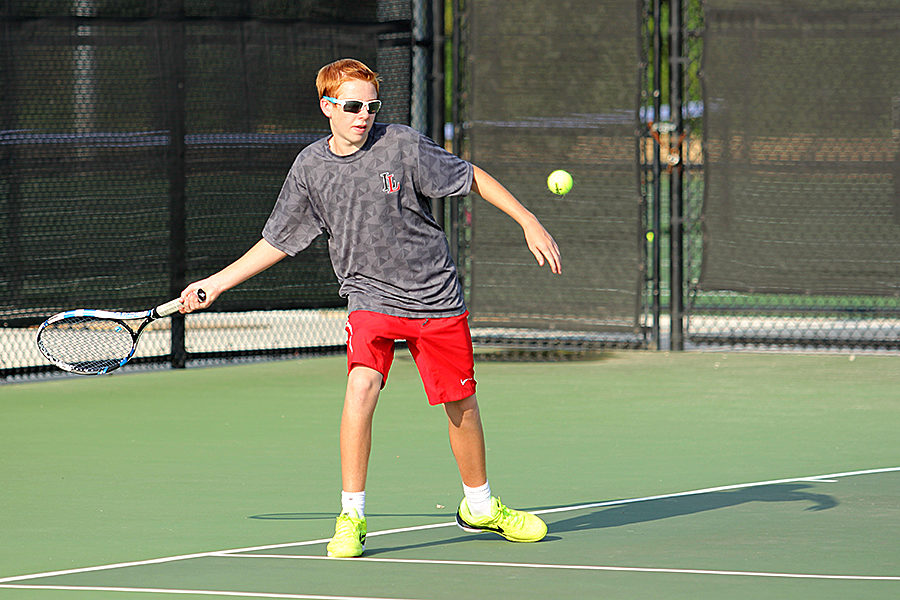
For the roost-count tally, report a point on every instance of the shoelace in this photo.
(509, 516)
(345, 525)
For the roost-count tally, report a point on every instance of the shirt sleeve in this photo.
(441, 173)
(293, 224)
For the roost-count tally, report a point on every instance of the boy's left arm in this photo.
(539, 240)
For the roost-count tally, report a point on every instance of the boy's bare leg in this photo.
(363, 387)
(467, 440)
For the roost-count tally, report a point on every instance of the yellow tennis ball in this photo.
(560, 182)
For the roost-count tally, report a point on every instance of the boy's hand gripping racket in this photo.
(94, 342)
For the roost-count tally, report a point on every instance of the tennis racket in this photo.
(94, 342)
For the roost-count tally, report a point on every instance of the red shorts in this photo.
(441, 347)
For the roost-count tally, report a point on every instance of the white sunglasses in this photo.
(354, 106)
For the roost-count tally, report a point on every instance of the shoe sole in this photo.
(330, 555)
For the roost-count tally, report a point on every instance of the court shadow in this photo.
(371, 550)
(666, 508)
(649, 510)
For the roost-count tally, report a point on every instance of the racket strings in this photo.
(86, 343)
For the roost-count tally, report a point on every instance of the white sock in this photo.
(354, 500)
(478, 499)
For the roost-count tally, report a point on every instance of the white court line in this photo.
(153, 561)
(86, 588)
(471, 563)
(436, 525)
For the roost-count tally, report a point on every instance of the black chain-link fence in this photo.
(142, 146)
(797, 240)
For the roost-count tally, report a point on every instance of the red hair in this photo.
(332, 75)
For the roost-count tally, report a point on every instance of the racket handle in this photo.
(164, 310)
(172, 306)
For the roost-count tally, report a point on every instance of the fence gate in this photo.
(546, 91)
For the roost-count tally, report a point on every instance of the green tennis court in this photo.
(660, 475)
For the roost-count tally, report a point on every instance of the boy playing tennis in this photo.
(367, 187)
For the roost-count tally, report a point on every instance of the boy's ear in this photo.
(326, 107)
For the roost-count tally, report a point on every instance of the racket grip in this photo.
(169, 308)
(172, 306)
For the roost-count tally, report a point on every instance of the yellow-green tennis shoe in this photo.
(349, 536)
(514, 525)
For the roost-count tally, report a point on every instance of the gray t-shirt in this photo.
(388, 252)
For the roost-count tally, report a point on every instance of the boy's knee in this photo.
(461, 408)
(363, 384)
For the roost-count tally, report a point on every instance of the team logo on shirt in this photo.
(389, 184)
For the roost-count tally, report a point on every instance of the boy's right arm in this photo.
(259, 258)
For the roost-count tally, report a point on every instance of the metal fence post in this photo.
(174, 83)
(676, 207)
(657, 174)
